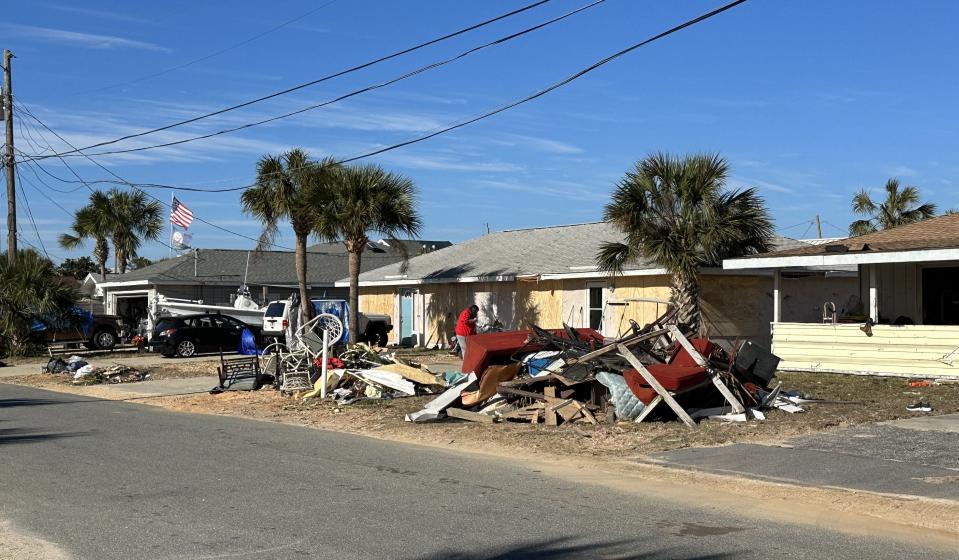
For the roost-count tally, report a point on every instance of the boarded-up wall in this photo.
(917, 350)
(733, 306)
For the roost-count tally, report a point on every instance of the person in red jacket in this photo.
(466, 326)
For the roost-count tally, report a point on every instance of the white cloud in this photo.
(903, 171)
(545, 144)
(562, 189)
(115, 16)
(88, 40)
(765, 185)
(445, 163)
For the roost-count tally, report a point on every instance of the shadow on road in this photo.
(10, 403)
(11, 436)
(569, 547)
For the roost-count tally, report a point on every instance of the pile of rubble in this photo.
(360, 373)
(577, 376)
(85, 373)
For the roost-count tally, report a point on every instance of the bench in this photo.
(233, 371)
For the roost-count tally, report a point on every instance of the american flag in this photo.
(181, 215)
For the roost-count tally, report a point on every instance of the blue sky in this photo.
(809, 101)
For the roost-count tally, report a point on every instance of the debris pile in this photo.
(85, 373)
(361, 373)
(574, 376)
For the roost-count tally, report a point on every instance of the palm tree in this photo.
(93, 221)
(285, 187)
(675, 212)
(900, 207)
(32, 291)
(135, 219)
(366, 199)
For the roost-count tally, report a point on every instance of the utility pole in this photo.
(818, 226)
(8, 162)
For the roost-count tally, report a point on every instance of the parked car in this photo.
(188, 335)
(96, 332)
(373, 328)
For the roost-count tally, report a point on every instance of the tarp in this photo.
(482, 348)
(248, 344)
(338, 307)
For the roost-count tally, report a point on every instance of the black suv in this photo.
(187, 335)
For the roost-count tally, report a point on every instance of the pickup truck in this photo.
(373, 328)
(96, 332)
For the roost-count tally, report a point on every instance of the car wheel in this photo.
(185, 348)
(104, 340)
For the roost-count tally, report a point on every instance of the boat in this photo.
(244, 308)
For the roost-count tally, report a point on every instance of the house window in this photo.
(596, 301)
(940, 296)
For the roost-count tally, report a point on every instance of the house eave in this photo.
(844, 259)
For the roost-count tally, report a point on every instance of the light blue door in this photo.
(406, 318)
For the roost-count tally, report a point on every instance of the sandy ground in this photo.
(877, 399)
(15, 545)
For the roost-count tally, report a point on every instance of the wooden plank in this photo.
(713, 376)
(550, 413)
(670, 401)
(585, 412)
(609, 348)
(469, 415)
(649, 409)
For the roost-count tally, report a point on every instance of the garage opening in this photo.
(134, 311)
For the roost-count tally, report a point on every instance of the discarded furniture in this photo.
(236, 371)
(481, 349)
(687, 370)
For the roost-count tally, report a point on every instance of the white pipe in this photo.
(323, 375)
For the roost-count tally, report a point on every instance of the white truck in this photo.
(373, 329)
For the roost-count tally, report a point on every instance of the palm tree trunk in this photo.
(121, 261)
(685, 295)
(306, 307)
(355, 256)
(102, 253)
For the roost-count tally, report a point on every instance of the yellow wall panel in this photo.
(912, 350)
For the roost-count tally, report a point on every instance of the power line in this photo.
(26, 202)
(312, 82)
(132, 185)
(354, 93)
(550, 88)
(787, 228)
(211, 55)
(493, 112)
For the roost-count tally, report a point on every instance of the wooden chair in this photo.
(687, 370)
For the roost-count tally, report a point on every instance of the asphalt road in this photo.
(105, 480)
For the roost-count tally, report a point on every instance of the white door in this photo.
(596, 305)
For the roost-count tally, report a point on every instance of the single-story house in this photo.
(547, 276)
(215, 275)
(908, 320)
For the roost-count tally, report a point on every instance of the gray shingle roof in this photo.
(548, 250)
(266, 268)
(414, 247)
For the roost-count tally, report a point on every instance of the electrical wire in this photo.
(26, 202)
(29, 113)
(313, 82)
(550, 88)
(796, 225)
(353, 93)
(211, 55)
